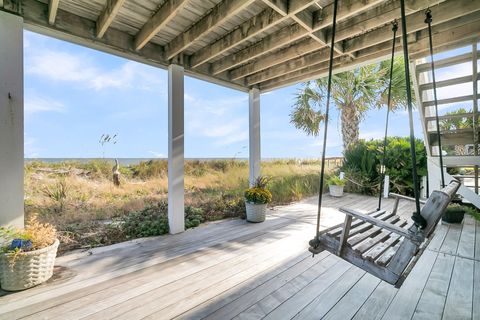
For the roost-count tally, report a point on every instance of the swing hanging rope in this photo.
(428, 20)
(416, 216)
(329, 87)
(382, 164)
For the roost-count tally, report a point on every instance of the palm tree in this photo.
(353, 93)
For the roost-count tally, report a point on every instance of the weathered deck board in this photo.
(239, 297)
(233, 269)
(460, 294)
(353, 300)
(378, 302)
(434, 295)
(404, 303)
(466, 245)
(320, 306)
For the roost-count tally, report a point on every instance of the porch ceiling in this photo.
(249, 43)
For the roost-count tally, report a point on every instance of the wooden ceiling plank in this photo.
(274, 40)
(221, 12)
(443, 12)
(349, 28)
(267, 19)
(447, 36)
(250, 28)
(158, 21)
(107, 16)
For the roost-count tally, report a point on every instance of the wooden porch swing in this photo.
(381, 242)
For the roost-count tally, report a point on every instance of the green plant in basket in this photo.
(335, 181)
(258, 193)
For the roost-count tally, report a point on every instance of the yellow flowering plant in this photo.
(258, 193)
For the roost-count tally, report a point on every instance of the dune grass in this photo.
(80, 200)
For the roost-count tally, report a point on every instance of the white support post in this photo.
(176, 203)
(434, 181)
(11, 120)
(386, 187)
(254, 134)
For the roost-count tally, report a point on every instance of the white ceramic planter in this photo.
(255, 212)
(29, 268)
(335, 191)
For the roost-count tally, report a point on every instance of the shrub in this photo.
(362, 165)
(149, 169)
(151, 221)
(193, 217)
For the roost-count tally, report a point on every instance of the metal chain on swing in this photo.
(428, 20)
(314, 243)
(389, 100)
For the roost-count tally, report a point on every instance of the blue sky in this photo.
(73, 95)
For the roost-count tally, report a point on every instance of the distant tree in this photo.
(353, 93)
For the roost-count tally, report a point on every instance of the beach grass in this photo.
(81, 201)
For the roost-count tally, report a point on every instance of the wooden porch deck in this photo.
(233, 269)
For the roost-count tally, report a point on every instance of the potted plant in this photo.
(27, 256)
(454, 213)
(335, 186)
(256, 199)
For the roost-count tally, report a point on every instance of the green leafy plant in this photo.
(258, 193)
(362, 165)
(336, 181)
(58, 193)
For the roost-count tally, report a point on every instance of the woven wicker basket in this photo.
(255, 212)
(29, 268)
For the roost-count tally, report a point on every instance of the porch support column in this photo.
(176, 201)
(254, 134)
(11, 120)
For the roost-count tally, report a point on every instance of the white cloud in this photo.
(219, 120)
(30, 150)
(79, 68)
(157, 154)
(35, 104)
(371, 135)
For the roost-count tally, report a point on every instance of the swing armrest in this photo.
(382, 224)
(399, 196)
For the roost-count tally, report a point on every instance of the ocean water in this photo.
(122, 161)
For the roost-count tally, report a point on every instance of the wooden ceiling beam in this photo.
(107, 16)
(445, 11)
(52, 11)
(447, 36)
(158, 21)
(288, 35)
(267, 19)
(220, 13)
(347, 29)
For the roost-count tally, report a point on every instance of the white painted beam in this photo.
(52, 11)
(108, 15)
(176, 197)
(11, 120)
(254, 134)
